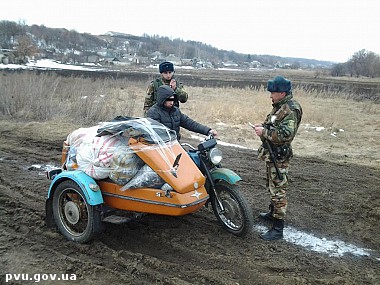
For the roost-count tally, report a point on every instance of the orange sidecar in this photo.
(135, 165)
(186, 179)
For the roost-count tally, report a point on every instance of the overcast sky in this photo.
(316, 29)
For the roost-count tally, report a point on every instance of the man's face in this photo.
(167, 75)
(277, 96)
(169, 102)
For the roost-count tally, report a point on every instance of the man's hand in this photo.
(173, 84)
(258, 129)
(213, 132)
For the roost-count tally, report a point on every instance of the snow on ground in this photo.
(333, 133)
(219, 142)
(334, 248)
(50, 64)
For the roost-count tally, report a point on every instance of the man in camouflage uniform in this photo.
(277, 133)
(167, 78)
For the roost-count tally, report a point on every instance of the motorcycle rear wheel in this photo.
(237, 217)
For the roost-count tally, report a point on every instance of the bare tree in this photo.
(25, 48)
(8, 32)
(339, 69)
(364, 63)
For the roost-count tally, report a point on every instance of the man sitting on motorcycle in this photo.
(165, 112)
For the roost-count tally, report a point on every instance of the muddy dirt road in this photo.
(331, 201)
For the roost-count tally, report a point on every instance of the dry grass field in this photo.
(334, 125)
(351, 129)
(334, 184)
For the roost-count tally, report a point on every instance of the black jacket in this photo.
(173, 117)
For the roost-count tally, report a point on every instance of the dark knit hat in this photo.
(279, 84)
(166, 66)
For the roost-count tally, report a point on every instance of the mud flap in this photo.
(49, 218)
(98, 224)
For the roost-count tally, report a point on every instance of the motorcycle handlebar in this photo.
(209, 137)
(188, 145)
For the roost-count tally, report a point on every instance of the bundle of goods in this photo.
(124, 165)
(102, 152)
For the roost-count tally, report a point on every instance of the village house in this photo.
(173, 59)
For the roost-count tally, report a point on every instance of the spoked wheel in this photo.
(75, 218)
(237, 217)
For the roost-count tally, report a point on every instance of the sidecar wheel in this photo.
(237, 217)
(75, 218)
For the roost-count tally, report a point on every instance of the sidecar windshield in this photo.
(150, 130)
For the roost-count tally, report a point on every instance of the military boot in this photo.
(267, 216)
(276, 232)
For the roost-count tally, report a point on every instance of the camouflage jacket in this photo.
(151, 92)
(280, 128)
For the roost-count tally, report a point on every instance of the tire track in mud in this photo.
(21, 206)
(25, 225)
(177, 244)
(24, 228)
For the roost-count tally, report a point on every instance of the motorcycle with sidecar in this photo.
(121, 170)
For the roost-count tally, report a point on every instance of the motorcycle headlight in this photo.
(215, 155)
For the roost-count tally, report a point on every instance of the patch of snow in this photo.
(230, 69)
(220, 142)
(317, 129)
(332, 248)
(49, 64)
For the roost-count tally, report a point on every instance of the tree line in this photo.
(362, 63)
(60, 43)
(71, 46)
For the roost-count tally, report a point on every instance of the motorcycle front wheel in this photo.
(237, 217)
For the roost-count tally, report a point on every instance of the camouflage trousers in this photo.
(278, 188)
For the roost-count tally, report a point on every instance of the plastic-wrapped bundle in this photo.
(102, 151)
(71, 162)
(124, 165)
(80, 135)
(145, 177)
(74, 140)
(94, 157)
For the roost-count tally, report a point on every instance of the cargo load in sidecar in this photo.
(136, 154)
(107, 151)
(132, 153)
